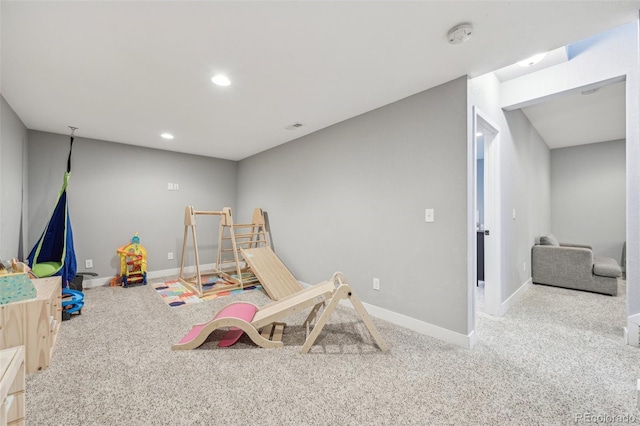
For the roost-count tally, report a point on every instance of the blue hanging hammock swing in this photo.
(54, 254)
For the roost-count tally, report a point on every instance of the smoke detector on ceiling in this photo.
(460, 33)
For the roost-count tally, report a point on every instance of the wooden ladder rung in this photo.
(266, 331)
(241, 236)
(244, 235)
(278, 330)
(273, 331)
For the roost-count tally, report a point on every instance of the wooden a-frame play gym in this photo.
(246, 258)
(231, 271)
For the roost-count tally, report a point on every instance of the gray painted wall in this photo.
(525, 172)
(588, 196)
(13, 137)
(352, 197)
(526, 175)
(117, 190)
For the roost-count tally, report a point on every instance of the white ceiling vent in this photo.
(590, 91)
(294, 126)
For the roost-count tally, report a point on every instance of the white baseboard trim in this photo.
(458, 339)
(440, 333)
(632, 330)
(97, 282)
(473, 339)
(515, 297)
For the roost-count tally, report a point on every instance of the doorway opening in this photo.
(488, 283)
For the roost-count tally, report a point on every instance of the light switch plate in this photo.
(429, 215)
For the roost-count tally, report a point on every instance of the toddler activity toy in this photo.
(72, 303)
(133, 262)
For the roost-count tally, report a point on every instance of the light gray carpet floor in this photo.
(556, 354)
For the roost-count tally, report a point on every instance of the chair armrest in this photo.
(553, 265)
(576, 245)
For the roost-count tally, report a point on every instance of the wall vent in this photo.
(294, 126)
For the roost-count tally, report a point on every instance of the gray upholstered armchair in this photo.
(573, 266)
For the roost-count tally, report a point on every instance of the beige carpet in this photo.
(557, 354)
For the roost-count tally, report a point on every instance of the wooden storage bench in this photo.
(34, 323)
(12, 387)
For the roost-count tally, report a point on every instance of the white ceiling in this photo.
(128, 71)
(554, 57)
(577, 119)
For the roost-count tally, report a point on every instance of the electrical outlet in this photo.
(88, 263)
(170, 256)
(429, 215)
(524, 266)
(376, 284)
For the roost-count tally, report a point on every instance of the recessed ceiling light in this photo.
(167, 136)
(220, 80)
(532, 60)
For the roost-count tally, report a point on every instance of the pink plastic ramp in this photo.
(244, 311)
(192, 334)
(199, 332)
(230, 337)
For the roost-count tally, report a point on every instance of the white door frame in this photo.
(492, 216)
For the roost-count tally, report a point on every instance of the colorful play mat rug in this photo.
(175, 294)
